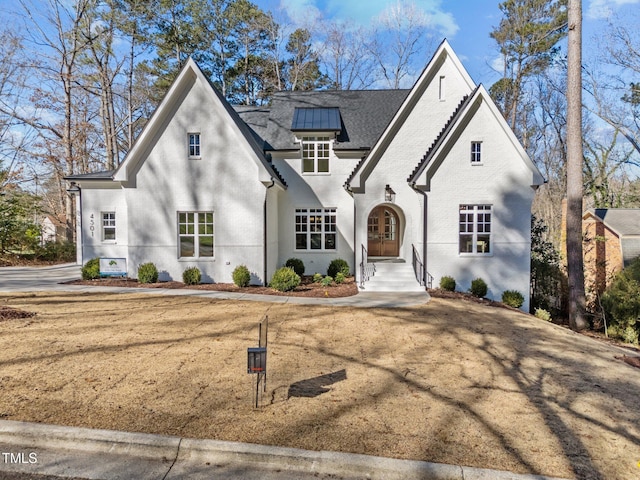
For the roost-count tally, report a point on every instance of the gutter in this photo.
(264, 236)
(424, 230)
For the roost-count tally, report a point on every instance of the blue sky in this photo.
(465, 23)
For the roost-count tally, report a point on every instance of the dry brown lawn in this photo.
(451, 381)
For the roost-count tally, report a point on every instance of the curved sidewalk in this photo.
(39, 279)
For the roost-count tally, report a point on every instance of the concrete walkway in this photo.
(28, 450)
(40, 279)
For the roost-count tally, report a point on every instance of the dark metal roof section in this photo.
(316, 119)
(440, 138)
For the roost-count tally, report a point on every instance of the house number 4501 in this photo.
(92, 224)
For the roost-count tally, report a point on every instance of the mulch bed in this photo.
(8, 313)
(306, 288)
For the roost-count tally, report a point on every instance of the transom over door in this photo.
(382, 233)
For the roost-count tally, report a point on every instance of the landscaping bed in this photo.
(307, 287)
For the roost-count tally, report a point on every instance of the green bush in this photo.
(56, 251)
(285, 279)
(338, 265)
(296, 264)
(91, 269)
(513, 298)
(326, 281)
(448, 283)
(241, 276)
(147, 273)
(340, 278)
(317, 277)
(543, 314)
(478, 288)
(621, 304)
(191, 276)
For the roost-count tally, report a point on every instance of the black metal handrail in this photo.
(367, 270)
(418, 266)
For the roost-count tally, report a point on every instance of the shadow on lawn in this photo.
(316, 386)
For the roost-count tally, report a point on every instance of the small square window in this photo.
(194, 145)
(476, 153)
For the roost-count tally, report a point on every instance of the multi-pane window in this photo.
(475, 229)
(194, 144)
(476, 152)
(108, 225)
(315, 228)
(195, 234)
(315, 154)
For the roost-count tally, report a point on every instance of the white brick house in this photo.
(432, 174)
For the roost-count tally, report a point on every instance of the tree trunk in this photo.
(575, 270)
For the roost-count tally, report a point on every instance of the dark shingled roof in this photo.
(364, 113)
(625, 222)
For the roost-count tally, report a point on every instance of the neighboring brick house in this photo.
(611, 242)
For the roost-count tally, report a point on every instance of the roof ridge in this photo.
(441, 136)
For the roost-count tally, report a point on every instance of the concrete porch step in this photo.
(393, 277)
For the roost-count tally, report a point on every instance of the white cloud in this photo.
(601, 9)
(301, 12)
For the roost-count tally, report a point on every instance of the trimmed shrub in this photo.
(479, 288)
(340, 278)
(317, 277)
(621, 303)
(338, 265)
(326, 281)
(542, 314)
(91, 269)
(147, 273)
(285, 279)
(448, 283)
(191, 276)
(513, 298)
(296, 264)
(56, 251)
(241, 276)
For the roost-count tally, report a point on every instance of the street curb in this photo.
(188, 452)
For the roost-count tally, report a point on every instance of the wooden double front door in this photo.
(382, 233)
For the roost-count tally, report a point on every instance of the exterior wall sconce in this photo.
(389, 194)
(74, 189)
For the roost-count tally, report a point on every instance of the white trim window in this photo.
(316, 228)
(108, 226)
(475, 229)
(476, 153)
(194, 145)
(315, 154)
(195, 234)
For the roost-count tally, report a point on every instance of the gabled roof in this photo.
(364, 115)
(625, 223)
(443, 51)
(622, 221)
(440, 138)
(191, 72)
(466, 109)
(105, 175)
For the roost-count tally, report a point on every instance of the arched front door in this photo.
(382, 233)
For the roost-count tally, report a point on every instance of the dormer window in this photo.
(315, 154)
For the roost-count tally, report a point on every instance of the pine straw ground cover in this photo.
(450, 381)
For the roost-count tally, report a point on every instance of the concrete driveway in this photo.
(30, 279)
